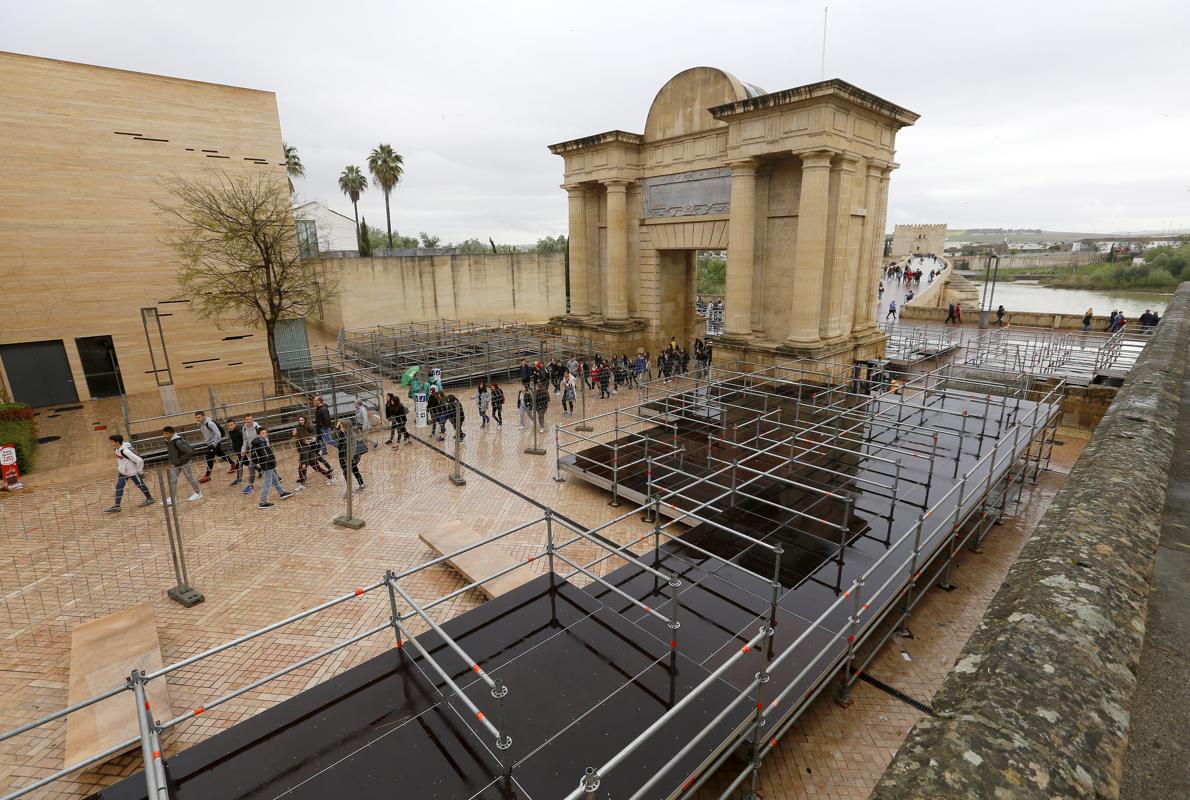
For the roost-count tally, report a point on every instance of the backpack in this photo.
(218, 427)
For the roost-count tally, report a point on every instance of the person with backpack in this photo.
(892, 310)
(212, 437)
(265, 461)
(452, 412)
(497, 405)
(180, 455)
(130, 467)
(363, 421)
(568, 384)
(360, 448)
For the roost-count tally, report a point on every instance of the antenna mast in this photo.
(825, 11)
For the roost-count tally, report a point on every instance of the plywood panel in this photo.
(478, 563)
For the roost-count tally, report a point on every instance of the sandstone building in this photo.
(793, 184)
(88, 302)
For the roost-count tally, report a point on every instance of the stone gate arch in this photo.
(793, 184)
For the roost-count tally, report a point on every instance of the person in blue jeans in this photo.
(322, 421)
(265, 461)
(130, 466)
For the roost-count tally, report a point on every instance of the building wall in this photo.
(336, 233)
(918, 239)
(85, 152)
(521, 287)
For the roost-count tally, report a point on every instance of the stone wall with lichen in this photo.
(1038, 703)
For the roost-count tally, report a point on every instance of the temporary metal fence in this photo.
(909, 344)
(1081, 357)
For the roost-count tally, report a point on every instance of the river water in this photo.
(1034, 297)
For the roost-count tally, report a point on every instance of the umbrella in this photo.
(409, 374)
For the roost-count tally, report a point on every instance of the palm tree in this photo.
(387, 166)
(351, 183)
(293, 163)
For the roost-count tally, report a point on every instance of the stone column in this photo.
(580, 254)
(809, 257)
(617, 251)
(865, 286)
(839, 278)
(741, 245)
(876, 254)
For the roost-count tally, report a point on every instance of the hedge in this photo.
(18, 428)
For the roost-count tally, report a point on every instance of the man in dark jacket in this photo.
(265, 461)
(322, 422)
(180, 453)
(452, 412)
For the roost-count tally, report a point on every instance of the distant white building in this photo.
(323, 230)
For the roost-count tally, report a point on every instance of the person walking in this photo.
(434, 412)
(266, 464)
(1087, 317)
(235, 437)
(522, 405)
(180, 455)
(308, 456)
(212, 438)
(526, 373)
(1000, 312)
(568, 384)
(363, 421)
(958, 314)
(248, 431)
(604, 378)
(541, 403)
(340, 437)
(497, 405)
(129, 467)
(892, 310)
(452, 412)
(483, 399)
(400, 420)
(949, 314)
(390, 413)
(322, 422)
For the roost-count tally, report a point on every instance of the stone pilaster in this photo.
(617, 251)
(741, 245)
(809, 259)
(580, 253)
(873, 257)
(838, 278)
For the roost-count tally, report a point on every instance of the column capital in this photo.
(616, 184)
(818, 158)
(743, 166)
(574, 188)
(848, 162)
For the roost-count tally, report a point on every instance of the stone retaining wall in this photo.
(1038, 702)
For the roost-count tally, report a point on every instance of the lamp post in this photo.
(989, 290)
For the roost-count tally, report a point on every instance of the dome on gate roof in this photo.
(680, 108)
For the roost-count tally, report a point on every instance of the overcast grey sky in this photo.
(1047, 113)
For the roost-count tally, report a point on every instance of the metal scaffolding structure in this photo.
(1079, 357)
(464, 351)
(798, 516)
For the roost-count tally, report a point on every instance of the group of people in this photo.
(954, 314)
(246, 443)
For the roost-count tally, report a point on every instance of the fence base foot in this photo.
(947, 586)
(904, 632)
(535, 451)
(355, 523)
(458, 480)
(186, 596)
(843, 699)
(559, 480)
(583, 428)
(614, 502)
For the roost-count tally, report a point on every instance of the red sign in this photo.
(10, 477)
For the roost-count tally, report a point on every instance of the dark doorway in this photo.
(98, 356)
(39, 373)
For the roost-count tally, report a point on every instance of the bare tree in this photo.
(235, 236)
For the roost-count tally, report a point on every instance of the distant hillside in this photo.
(994, 235)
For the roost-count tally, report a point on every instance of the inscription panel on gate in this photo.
(688, 194)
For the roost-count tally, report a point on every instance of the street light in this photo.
(989, 290)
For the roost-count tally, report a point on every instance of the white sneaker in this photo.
(195, 496)
(330, 482)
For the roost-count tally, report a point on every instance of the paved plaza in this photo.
(257, 566)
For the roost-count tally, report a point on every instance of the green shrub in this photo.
(15, 411)
(23, 434)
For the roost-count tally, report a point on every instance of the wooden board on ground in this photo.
(103, 654)
(477, 563)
